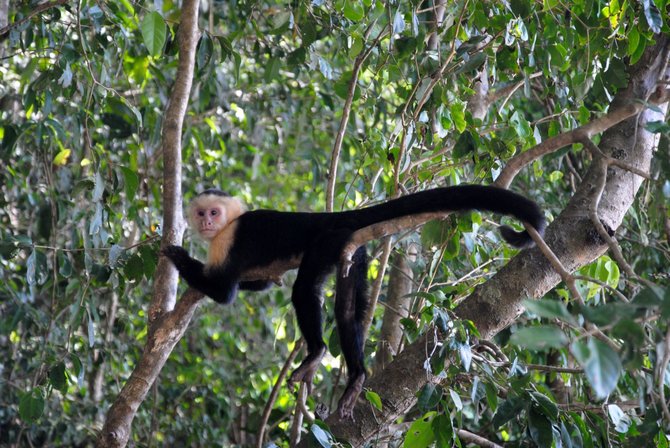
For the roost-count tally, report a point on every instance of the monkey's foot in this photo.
(306, 371)
(345, 407)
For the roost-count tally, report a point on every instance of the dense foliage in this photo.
(83, 89)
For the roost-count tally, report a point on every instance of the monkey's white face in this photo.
(210, 221)
(210, 214)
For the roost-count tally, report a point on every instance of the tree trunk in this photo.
(167, 322)
(397, 307)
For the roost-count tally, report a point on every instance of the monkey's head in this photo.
(211, 211)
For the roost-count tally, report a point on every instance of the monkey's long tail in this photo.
(457, 198)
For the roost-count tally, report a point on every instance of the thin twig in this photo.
(346, 111)
(554, 261)
(275, 392)
(39, 9)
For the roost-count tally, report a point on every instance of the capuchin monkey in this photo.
(242, 242)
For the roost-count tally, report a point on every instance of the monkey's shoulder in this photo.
(262, 237)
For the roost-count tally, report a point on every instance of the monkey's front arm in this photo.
(218, 284)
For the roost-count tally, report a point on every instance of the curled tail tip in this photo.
(521, 240)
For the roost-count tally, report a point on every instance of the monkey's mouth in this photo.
(207, 232)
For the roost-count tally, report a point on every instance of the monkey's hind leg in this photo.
(351, 303)
(306, 298)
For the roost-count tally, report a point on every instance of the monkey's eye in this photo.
(201, 213)
(215, 212)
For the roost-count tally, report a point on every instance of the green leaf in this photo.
(653, 16)
(58, 378)
(322, 437)
(281, 19)
(475, 61)
(134, 268)
(429, 396)
(465, 353)
(154, 32)
(398, 23)
(272, 69)
(78, 368)
(464, 146)
(453, 247)
(491, 396)
(131, 182)
(620, 419)
(658, 127)
(443, 430)
(115, 252)
(521, 125)
(456, 399)
(457, 111)
(649, 297)
(342, 86)
(31, 405)
(545, 406)
(354, 10)
(601, 364)
(508, 410)
(420, 433)
(539, 338)
(374, 399)
(90, 329)
(540, 430)
(149, 257)
(61, 157)
(37, 270)
(633, 40)
(550, 309)
(205, 51)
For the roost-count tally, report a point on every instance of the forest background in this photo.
(112, 110)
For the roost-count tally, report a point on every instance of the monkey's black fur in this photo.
(262, 237)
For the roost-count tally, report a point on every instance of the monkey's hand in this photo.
(177, 255)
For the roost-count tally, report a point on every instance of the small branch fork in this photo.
(580, 135)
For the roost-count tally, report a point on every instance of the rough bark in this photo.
(167, 322)
(573, 236)
(397, 307)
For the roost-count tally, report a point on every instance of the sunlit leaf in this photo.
(61, 157)
(354, 10)
(420, 433)
(374, 399)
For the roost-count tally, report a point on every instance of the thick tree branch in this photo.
(497, 303)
